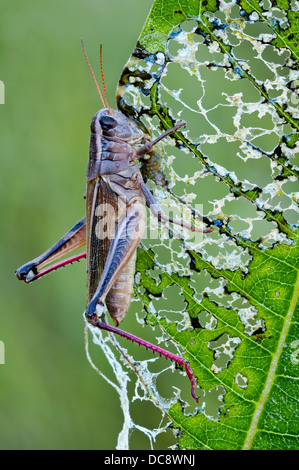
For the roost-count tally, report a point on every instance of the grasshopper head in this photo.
(109, 122)
(113, 124)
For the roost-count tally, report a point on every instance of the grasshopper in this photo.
(116, 200)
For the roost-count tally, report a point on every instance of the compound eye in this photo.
(107, 122)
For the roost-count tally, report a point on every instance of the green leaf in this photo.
(230, 300)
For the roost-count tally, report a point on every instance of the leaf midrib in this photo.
(271, 373)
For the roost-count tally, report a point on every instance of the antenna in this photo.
(93, 76)
(103, 81)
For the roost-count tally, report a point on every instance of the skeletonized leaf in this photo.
(228, 299)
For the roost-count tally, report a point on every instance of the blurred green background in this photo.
(50, 398)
